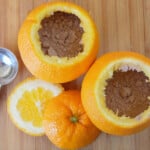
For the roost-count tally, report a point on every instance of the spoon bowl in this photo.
(8, 66)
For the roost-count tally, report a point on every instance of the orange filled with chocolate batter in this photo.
(58, 41)
(116, 93)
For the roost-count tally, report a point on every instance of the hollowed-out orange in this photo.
(46, 59)
(115, 93)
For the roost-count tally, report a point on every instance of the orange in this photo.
(53, 68)
(65, 122)
(26, 102)
(94, 97)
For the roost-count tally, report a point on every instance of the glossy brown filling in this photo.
(60, 35)
(127, 93)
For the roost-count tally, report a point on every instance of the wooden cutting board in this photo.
(122, 25)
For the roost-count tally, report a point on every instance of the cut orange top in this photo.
(66, 123)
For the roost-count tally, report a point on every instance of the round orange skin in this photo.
(58, 126)
(53, 72)
(89, 97)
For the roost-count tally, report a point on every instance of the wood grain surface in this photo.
(122, 25)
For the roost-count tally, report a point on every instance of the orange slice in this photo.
(50, 67)
(115, 93)
(26, 103)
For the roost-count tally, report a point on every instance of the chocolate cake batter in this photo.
(60, 35)
(127, 93)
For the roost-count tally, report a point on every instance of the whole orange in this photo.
(66, 123)
(58, 67)
(115, 93)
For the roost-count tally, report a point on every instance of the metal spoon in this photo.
(8, 66)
